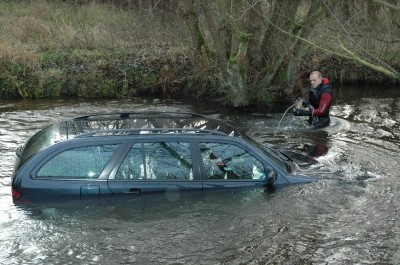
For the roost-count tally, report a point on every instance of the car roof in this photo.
(147, 123)
(109, 124)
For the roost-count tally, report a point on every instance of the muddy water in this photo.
(350, 216)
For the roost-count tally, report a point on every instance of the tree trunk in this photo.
(256, 46)
(307, 14)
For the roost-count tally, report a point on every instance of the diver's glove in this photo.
(306, 103)
(301, 112)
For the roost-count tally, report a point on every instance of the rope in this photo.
(312, 115)
(286, 112)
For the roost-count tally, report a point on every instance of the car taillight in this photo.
(15, 194)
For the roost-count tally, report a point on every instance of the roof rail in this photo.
(127, 115)
(150, 131)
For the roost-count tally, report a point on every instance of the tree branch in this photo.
(384, 3)
(375, 67)
(351, 55)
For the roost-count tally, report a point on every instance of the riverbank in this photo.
(53, 49)
(99, 74)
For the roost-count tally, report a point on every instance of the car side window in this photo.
(228, 161)
(157, 161)
(78, 163)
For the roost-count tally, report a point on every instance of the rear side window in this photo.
(157, 161)
(79, 163)
(228, 161)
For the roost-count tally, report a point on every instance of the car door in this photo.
(229, 165)
(156, 166)
(75, 170)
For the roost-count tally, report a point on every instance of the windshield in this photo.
(283, 161)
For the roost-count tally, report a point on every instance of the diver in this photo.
(317, 103)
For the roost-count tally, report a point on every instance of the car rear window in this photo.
(78, 163)
(40, 140)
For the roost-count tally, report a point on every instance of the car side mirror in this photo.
(271, 177)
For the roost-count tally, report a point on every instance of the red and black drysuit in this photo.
(319, 102)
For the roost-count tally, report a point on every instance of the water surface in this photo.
(350, 216)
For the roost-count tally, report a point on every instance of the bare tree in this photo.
(257, 45)
(255, 61)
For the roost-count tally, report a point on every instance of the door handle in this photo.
(135, 191)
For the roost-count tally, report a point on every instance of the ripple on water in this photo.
(349, 216)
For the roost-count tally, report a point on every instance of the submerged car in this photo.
(137, 153)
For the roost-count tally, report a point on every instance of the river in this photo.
(350, 216)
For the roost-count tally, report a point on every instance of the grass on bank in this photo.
(51, 49)
(55, 48)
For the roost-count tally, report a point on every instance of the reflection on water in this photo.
(350, 216)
